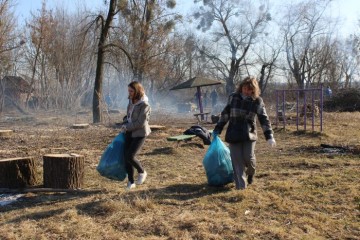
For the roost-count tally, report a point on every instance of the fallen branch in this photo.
(27, 190)
(331, 146)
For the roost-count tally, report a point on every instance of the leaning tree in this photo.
(105, 25)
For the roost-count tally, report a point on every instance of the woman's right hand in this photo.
(271, 142)
(123, 129)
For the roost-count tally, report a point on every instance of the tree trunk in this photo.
(2, 97)
(63, 171)
(17, 172)
(100, 63)
(97, 116)
(265, 76)
(230, 86)
(262, 77)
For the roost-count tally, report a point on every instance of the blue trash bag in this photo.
(112, 162)
(217, 163)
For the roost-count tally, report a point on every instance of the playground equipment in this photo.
(313, 109)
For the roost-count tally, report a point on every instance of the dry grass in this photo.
(299, 192)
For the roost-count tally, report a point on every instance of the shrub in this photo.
(346, 100)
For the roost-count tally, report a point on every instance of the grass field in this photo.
(301, 191)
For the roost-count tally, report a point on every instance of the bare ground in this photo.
(301, 191)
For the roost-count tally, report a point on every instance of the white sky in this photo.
(24, 7)
(347, 10)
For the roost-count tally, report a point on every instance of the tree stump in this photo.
(157, 127)
(17, 172)
(63, 171)
(6, 133)
(80, 126)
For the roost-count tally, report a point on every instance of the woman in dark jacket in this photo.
(242, 108)
(136, 128)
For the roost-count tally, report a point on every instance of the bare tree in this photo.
(105, 25)
(145, 30)
(350, 60)
(267, 52)
(302, 24)
(8, 42)
(234, 25)
(38, 27)
(322, 61)
(59, 58)
(178, 62)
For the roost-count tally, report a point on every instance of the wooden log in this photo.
(6, 133)
(17, 172)
(114, 111)
(157, 127)
(80, 126)
(180, 138)
(63, 171)
(51, 190)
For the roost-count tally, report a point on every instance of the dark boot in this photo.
(250, 179)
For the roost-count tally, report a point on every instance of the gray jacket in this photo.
(139, 125)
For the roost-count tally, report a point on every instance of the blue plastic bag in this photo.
(112, 162)
(217, 163)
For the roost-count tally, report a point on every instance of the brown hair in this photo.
(252, 83)
(138, 88)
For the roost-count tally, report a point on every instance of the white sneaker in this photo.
(141, 178)
(130, 186)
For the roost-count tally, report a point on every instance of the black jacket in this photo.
(201, 132)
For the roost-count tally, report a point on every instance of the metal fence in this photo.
(308, 103)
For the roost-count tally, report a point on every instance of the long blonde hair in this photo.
(252, 83)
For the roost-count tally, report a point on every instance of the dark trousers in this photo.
(132, 147)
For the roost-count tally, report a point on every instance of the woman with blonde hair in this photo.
(136, 128)
(242, 107)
